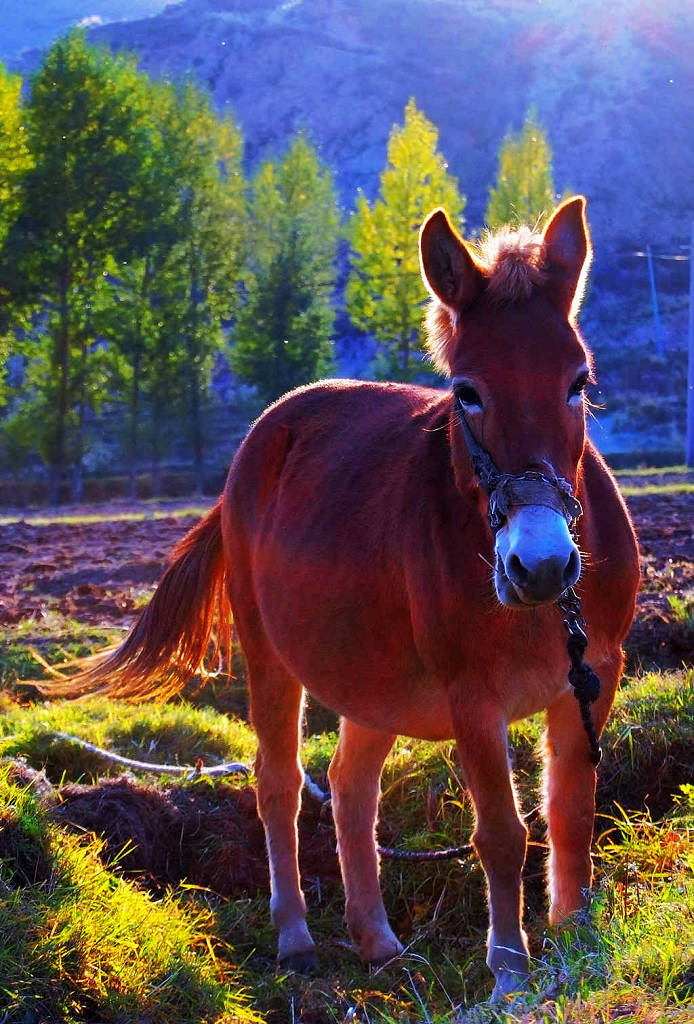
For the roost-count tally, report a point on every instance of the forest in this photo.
(154, 299)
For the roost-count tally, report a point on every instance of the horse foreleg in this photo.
(569, 794)
(276, 706)
(355, 775)
(500, 839)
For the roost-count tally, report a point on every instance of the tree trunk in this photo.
(197, 438)
(138, 354)
(78, 468)
(196, 433)
(134, 423)
(156, 452)
(62, 361)
(77, 482)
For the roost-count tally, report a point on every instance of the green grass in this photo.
(631, 954)
(57, 638)
(644, 480)
(164, 733)
(78, 943)
(126, 515)
(678, 487)
(653, 471)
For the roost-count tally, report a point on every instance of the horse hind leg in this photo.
(355, 775)
(276, 704)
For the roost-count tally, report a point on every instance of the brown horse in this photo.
(352, 547)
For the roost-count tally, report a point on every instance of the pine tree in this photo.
(283, 334)
(524, 192)
(385, 290)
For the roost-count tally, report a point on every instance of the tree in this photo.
(283, 334)
(81, 203)
(385, 290)
(524, 192)
(15, 158)
(166, 309)
(202, 272)
(15, 161)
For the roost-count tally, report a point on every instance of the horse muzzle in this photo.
(536, 557)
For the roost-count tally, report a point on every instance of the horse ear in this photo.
(568, 253)
(448, 267)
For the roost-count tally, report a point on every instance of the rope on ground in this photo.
(190, 772)
(237, 768)
(449, 853)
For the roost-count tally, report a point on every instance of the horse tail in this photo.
(187, 622)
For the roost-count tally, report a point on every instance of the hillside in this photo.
(615, 88)
(26, 26)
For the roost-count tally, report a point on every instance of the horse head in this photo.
(502, 326)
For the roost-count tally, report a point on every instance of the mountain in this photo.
(27, 25)
(614, 85)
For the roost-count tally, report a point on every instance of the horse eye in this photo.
(466, 394)
(578, 385)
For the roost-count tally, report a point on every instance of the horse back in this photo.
(341, 460)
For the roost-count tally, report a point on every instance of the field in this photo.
(163, 917)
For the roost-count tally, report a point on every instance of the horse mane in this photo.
(513, 263)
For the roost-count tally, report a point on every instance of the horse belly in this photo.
(352, 651)
(418, 709)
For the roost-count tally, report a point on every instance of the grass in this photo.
(84, 940)
(197, 510)
(653, 471)
(126, 515)
(57, 637)
(682, 609)
(678, 487)
(644, 481)
(633, 951)
(78, 942)
(165, 733)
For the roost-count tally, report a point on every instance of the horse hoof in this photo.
(382, 952)
(509, 983)
(304, 962)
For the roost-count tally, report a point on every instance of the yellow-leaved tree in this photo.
(524, 191)
(385, 292)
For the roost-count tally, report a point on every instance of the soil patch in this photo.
(210, 836)
(96, 572)
(663, 632)
(100, 573)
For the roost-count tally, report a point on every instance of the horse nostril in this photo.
(573, 568)
(516, 571)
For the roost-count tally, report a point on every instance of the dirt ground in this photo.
(100, 572)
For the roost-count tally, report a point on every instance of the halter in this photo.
(506, 491)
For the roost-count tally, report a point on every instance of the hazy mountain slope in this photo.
(31, 23)
(613, 83)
